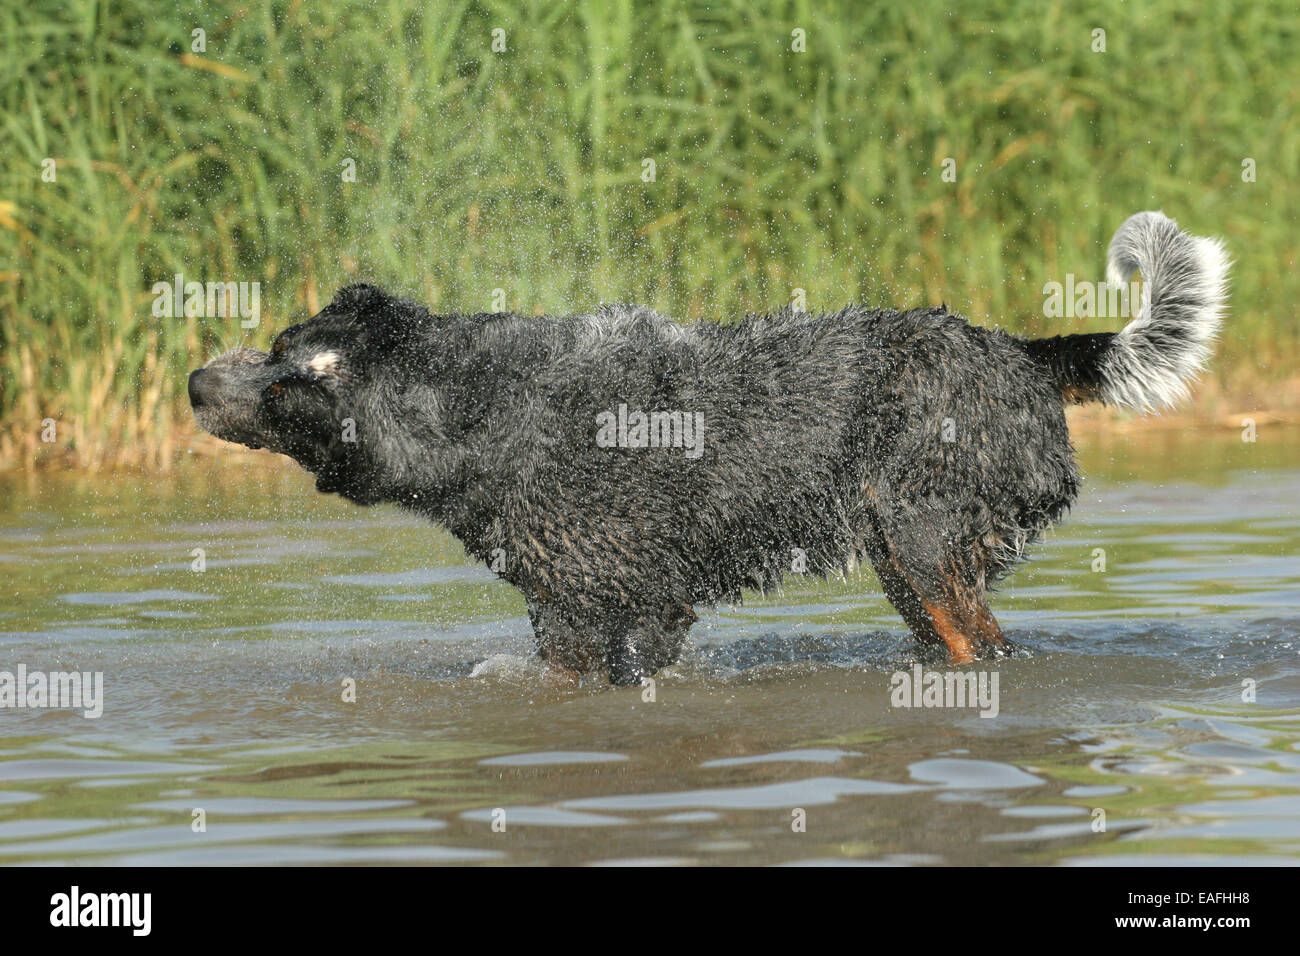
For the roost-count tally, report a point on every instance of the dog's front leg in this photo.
(568, 645)
(641, 643)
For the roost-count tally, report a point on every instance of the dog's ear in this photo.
(360, 297)
(385, 320)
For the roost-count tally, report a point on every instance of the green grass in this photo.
(521, 170)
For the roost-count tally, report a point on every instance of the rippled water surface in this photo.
(774, 741)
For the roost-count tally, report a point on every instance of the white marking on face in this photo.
(324, 363)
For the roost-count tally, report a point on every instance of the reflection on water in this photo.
(226, 737)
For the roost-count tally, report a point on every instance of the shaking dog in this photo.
(621, 469)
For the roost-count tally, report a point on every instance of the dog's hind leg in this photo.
(960, 614)
(898, 588)
(943, 601)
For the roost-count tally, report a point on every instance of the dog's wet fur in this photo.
(935, 449)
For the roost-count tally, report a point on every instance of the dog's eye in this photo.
(277, 350)
(275, 389)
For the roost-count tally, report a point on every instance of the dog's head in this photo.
(319, 395)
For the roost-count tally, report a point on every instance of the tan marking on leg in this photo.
(959, 616)
(961, 648)
(972, 610)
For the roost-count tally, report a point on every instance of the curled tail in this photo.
(1149, 364)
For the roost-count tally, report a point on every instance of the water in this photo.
(223, 690)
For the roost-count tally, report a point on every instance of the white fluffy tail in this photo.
(1149, 365)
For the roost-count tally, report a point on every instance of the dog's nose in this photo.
(203, 384)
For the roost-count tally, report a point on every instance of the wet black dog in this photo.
(619, 468)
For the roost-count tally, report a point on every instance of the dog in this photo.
(621, 469)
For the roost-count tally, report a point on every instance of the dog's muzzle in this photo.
(204, 387)
(224, 394)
